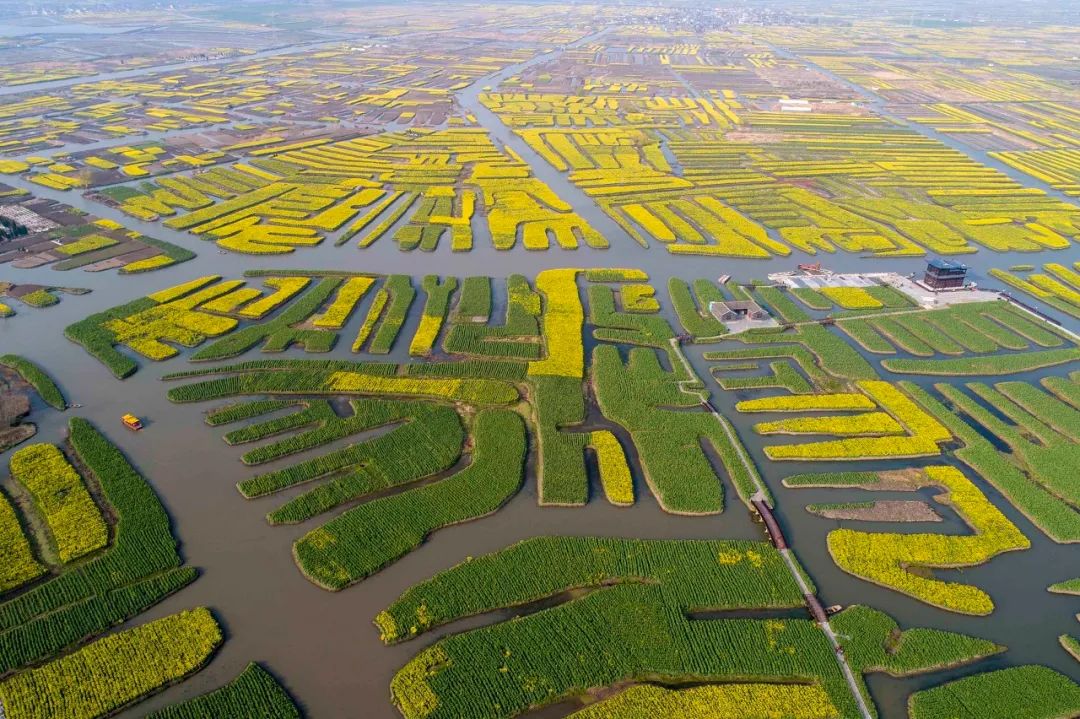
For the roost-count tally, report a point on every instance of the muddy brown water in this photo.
(323, 645)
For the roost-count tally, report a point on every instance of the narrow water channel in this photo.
(323, 645)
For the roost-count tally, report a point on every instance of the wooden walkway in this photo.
(776, 535)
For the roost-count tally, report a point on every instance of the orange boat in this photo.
(132, 422)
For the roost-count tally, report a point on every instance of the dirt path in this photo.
(763, 494)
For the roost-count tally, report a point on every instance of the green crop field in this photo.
(651, 360)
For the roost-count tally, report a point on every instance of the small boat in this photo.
(132, 422)
(833, 609)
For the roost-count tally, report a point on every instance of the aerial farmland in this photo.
(434, 360)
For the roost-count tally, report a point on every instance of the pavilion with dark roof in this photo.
(944, 274)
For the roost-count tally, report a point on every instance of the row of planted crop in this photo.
(311, 315)
(633, 623)
(139, 568)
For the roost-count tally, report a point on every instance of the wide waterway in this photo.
(322, 644)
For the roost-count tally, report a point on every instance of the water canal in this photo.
(323, 645)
